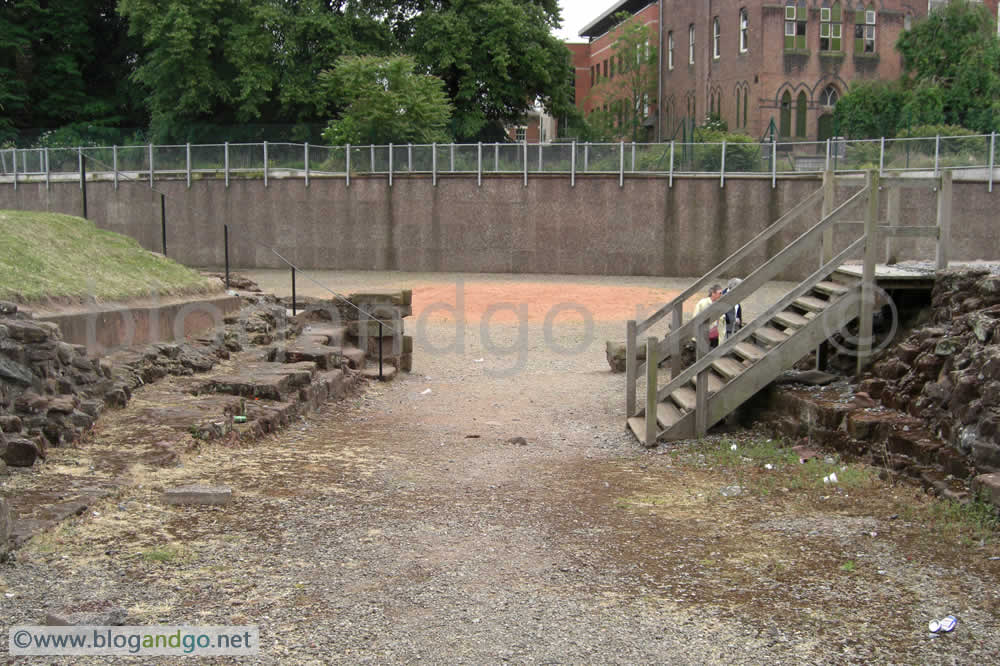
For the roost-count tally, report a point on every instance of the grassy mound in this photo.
(53, 258)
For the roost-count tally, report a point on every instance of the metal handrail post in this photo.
(722, 168)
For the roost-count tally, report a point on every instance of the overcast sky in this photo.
(578, 13)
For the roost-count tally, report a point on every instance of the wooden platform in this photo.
(905, 275)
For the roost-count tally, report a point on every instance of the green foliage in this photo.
(496, 58)
(742, 152)
(385, 101)
(870, 110)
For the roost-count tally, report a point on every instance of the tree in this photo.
(635, 78)
(951, 62)
(385, 100)
(496, 57)
(952, 59)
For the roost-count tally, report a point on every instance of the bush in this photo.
(742, 152)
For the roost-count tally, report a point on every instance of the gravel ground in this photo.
(402, 525)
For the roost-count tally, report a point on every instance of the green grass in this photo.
(48, 257)
(164, 554)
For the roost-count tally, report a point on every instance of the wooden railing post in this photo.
(676, 321)
(828, 185)
(701, 389)
(652, 363)
(944, 220)
(630, 368)
(868, 272)
(892, 220)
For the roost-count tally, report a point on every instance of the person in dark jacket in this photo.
(734, 316)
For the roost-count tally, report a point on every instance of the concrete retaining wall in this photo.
(548, 226)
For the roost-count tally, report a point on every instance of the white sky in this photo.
(578, 13)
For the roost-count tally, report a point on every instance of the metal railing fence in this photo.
(276, 159)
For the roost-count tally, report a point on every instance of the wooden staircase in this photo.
(721, 379)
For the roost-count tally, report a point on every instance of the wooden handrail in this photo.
(754, 281)
(760, 320)
(751, 245)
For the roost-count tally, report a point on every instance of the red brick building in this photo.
(756, 63)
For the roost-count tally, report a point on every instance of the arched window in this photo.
(670, 50)
(746, 94)
(744, 30)
(737, 107)
(800, 115)
(785, 122)
(716, 37)
(829, 96)
(691, 44)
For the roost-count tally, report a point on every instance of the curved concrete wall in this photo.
(548, 226)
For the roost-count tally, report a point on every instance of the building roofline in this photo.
(606, 21)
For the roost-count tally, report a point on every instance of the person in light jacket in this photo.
(717, 331)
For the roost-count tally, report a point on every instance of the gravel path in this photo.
(402, 525)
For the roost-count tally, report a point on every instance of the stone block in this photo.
(21, 452)
(405, 363)
(199, 495)
(615, 353)
(368, 329)
(401, 297)
(988, 485)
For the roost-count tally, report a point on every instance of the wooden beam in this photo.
(652, 364)
(907, 232)
(868, 273)
(630, 366)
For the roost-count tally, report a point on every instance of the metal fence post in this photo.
(881, 156)
(150, 165)
(114, 164)
(265, 164)
(347, 166)
(937, 152)
(496, 157)
(305, 159)
(293, 293)
(225, 156)
(993, 142)
(187, 160)
(390, 165)
(586, 157)
(434, 164)
(826, 165)
(621, 164)
(48, 174)
(525, 162)
(722, 168)
(670, 183)
(163, 221)
(479, 164)
(451, 152)
(774, 164)
(409, 158)
(541, 165)
(14, 155)
(371, 164)
(79, 162)
(633, 157)
(83, 180)
(572, 165)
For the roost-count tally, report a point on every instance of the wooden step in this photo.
(685, 398)
(831, 288)
(728, 367)
(844, 278)
(810, 303)
(637, 424)
(667, 414)
(770, 336)
(789, 319)
(749, 351)
(715, 383)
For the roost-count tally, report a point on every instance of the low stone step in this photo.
(637, 424)
(830, 288)
(810, 303)
(388, 373)
(715, 383)
(749, 351)
(727, 367)
(667, 414)
(260, 379)
(770, 336)
(789, 319)
(356, 358)
(685, 398)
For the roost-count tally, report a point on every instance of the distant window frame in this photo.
(831, 29)
(691, 44)
(670, 50)
(716, 39)
(744, 30)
